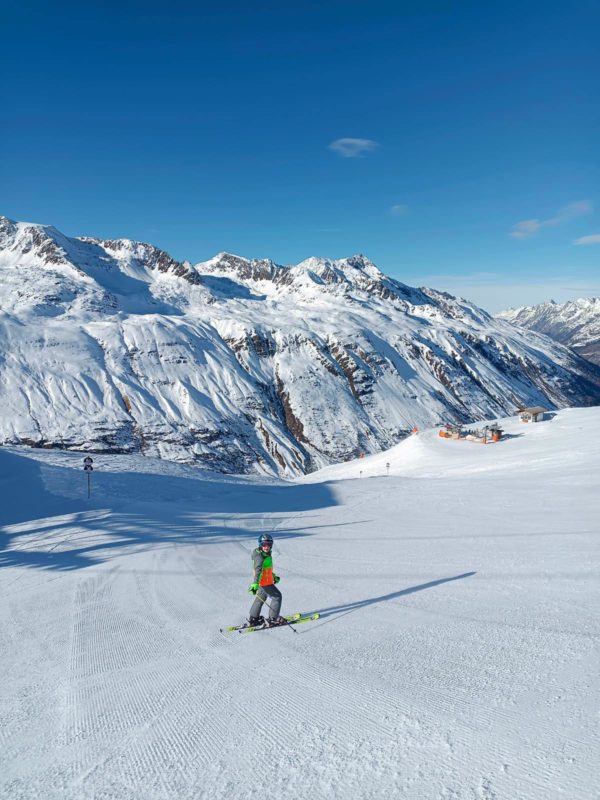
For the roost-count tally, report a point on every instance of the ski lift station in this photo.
(491, 433)
(534, 414)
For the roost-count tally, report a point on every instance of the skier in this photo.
(263, 584)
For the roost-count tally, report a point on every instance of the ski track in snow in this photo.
(455, 657)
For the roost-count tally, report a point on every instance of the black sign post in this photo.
(88, 469)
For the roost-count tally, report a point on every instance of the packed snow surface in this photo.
(456, 655)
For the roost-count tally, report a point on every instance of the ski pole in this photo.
(269, 606)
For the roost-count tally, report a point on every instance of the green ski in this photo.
(294, 621)
(244, 626)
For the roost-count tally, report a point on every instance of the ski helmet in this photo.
(265, 538)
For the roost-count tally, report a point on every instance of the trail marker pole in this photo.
(387, 468)
(88, 469)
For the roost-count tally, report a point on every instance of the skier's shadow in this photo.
(350, 607)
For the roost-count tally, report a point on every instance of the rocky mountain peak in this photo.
(575, 323)
(245, 365)
(239, 268)
(144, 257)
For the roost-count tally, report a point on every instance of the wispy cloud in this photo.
(530, 227)
(353, 148)
(526, 228)
(593, 239)
(399, 210)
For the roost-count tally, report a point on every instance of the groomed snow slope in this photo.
(456, 656)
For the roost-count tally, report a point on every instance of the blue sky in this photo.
(454, 143)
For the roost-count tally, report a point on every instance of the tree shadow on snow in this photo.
(342, 610)
(40, 529)
(85, 540)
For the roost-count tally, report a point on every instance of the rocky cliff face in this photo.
(575, 324)
(246, 365)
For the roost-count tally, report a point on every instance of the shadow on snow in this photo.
(62, 533)
(342, 610)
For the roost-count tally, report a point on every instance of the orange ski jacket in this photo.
(263, 567)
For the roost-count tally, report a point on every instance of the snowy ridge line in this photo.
(245, 366)
(575, 324)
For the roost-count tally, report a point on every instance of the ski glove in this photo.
(276, 578)
(253, 588)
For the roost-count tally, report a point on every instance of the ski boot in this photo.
(255, 622)
(272, 623)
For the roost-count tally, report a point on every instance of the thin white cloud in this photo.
(525, 229)
(593, 239)
(572, 211)
(530, 227)
(399, 210)
(353, 148)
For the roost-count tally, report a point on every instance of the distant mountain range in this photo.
(244, 365)
(575, 324)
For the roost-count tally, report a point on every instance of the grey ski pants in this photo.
(274, 595)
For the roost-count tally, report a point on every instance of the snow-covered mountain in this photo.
(575, 324)
(245, 365)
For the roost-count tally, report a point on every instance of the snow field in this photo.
(456, 656)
